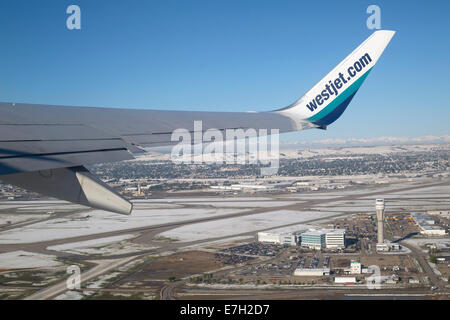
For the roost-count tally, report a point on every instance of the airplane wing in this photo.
(45, 148)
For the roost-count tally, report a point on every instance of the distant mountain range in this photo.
(360, 145)
(378, 141)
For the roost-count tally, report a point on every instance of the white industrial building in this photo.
(422, 219)
(426, 225)
(318, 272)
(345, 280)
(443, 214)
(270, 237)
(243, 187)
(432, 231)
(383, 247)
(289, 238)
(335, 239)
(355, 267)
(281, 236)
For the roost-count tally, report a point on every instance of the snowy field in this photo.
(40, 205)
(102, 280)
(248, 204)
(26, 260)
(162, 211)
(426, 192)
(204, 199)
(421, 242)
(102, 221)
(343, 193)
(7, 218)
(70, 295)
(102, 246)
(217, 244)
(309, 196)
(235, 226)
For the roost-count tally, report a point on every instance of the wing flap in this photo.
(36, 162)
(33, 147)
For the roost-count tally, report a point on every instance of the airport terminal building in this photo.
(311, 238)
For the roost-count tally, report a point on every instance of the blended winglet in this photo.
(325, 102)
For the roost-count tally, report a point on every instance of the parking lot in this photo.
(256, 249)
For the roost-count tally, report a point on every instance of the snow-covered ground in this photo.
(318, 195)
(216, 243)
(418, 243)
(8, 218)
(41, 205)
(408, 196)
(247, 204)
(70, 295)
(308, 196)
(204, 199)
(25, 260)
(161, 211)
(102, 221)
(368, 205)
(238, 225)
(102, 280)
(426, 192)
(102, 246)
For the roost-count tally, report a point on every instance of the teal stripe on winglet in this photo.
(341, 98)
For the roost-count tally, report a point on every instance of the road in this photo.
(166, 292)
(421, 258)
(307, 293)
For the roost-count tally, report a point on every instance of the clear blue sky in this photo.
(229, 55)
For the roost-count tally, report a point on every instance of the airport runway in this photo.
(306, 205)
(106, 264)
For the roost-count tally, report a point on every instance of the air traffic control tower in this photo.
(379, 206)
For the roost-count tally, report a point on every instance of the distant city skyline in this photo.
(232, 56)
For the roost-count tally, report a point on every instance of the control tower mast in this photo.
(379, 206)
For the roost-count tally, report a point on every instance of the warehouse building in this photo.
(422, 219)
(345, 280)
(432, 231)
(289, 238)
(282, 236)
(269, 237)
(312, 272)
(443, 214)
(426, 225)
